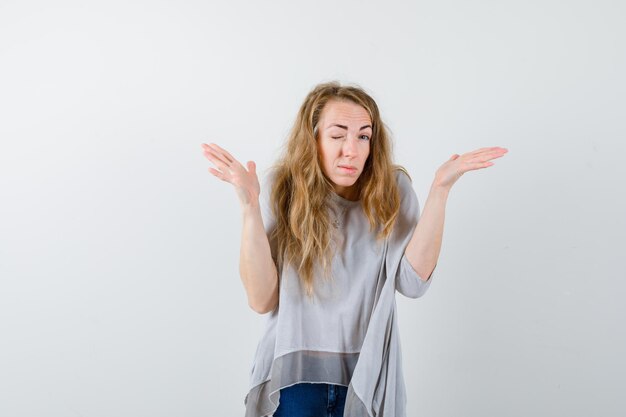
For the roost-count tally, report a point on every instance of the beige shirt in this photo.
(347, 334)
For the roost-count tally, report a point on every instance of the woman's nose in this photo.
(349, 146)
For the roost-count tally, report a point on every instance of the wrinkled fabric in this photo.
(348, 333)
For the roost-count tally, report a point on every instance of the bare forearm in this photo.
(424, 247)
(256, 266)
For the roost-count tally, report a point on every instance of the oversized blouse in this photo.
(348, 333)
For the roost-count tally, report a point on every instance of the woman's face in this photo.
(343, 142)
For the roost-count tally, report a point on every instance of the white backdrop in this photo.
(119, 285)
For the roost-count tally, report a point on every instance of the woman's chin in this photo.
(342, 182)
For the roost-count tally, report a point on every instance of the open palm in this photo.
(230, 170)
(457, 165)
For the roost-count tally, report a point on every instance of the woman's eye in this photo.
(362, 136)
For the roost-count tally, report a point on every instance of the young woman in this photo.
(326, 243)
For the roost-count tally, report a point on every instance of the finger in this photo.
(230, 160)
(251, 167)
(217, 160)
(218, 154)
(218, 174)
(482, 150)
(496, 150)
(486, 156)
(497, 155)
(228, 156)
(479, 165)
(474, 152)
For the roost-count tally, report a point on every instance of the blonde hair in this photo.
(300, 191)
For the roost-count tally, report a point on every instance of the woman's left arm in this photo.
(423, 249)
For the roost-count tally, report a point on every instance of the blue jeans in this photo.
(311, 400)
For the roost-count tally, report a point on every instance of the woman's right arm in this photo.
(256, 265)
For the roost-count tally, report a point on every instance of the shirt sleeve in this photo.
(408, 281)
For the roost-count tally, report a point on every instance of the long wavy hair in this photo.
(300, 190)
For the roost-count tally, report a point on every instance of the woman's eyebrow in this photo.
(346, 127)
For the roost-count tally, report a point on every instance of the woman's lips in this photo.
(347, 169)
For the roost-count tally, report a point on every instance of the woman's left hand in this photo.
(457, 165)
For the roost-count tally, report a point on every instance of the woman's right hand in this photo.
(230, 170)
